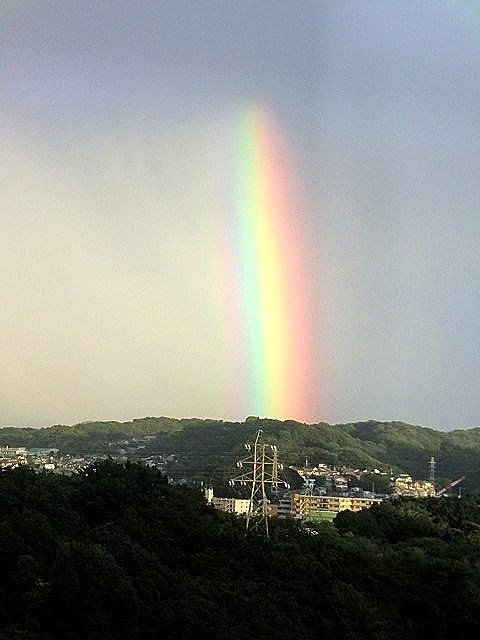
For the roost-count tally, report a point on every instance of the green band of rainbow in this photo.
(273, 278)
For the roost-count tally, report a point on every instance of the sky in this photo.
(121, 246)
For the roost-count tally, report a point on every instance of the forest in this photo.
(208, 449)
(117, 552)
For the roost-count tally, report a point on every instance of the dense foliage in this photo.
(208, 449)
(119, 553)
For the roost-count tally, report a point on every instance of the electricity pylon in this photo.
(261, 470)
(431, 464)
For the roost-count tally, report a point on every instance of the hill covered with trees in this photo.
(118, 553)
(207, 449)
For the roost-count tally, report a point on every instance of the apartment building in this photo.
(302, 505)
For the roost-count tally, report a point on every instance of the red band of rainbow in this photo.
(274, 296)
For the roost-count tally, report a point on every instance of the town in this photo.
(319, 493)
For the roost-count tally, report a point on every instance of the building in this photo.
(405, 486)
(284, 507)
(231, 505)
(227, 505)
(302, 506)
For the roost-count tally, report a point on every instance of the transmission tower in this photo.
(431, 464)
(261, 471)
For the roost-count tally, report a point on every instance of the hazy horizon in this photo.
(118, 125)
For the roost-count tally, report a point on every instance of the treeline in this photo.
(207, 449)
(87, 437)
(118, 553)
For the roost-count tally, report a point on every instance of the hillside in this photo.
(117, 553)
(208, 449)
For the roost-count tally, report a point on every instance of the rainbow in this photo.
(274, 299)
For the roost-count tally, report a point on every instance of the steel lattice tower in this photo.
(431, 464)
(261, 471)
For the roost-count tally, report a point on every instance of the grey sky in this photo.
(113, 115)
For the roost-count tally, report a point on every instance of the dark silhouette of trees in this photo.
(117, 552)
